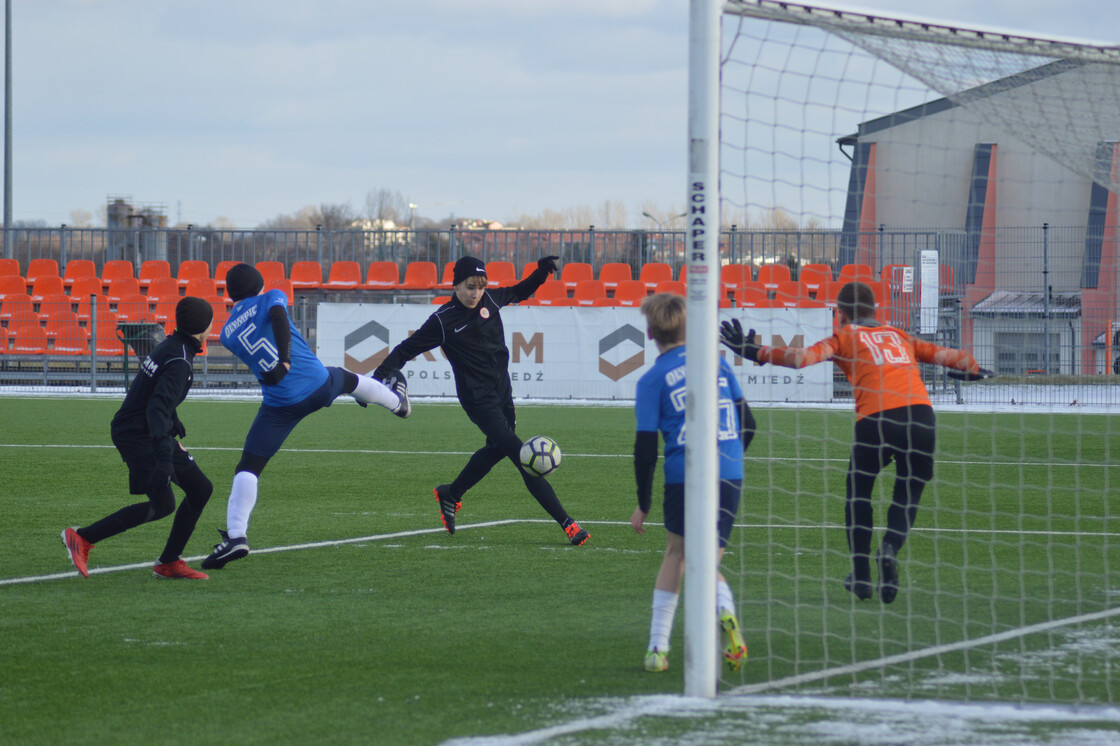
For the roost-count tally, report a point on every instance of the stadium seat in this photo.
(814, 275)
(153, 269)
(653, 273)
(115, 269)
(221, 270)
(58, 320)
(683, 276)
(448, 280)
(4, 341)
(37, 268)
(946, 280)
(76, 268)
(551, 291)
(854, 272)
(306, 275)
(751, 295)
(164, 287)
(732, 276)
(420, 275)
(84, 287)
(221, 314)
(104, 339)
(792, 293)
(281, 284)
(573, 272)
(201, 287)
(163, 309)
(772, 274)
(83, 306)
(383, 276)
(345, 274)
(630, 292)
(501, 274)
(192, 269)
(71, 339)
(121, 287)
(28, 339)
(54, 304)
(439, 300)
(270, 270)
(613, 273)
(14, 304)
(15, 284)
(134, 308)
(565, 301)
(601, 303)
(589, 290)
(670, 286)
(22, 315)
(9, 267)
(46, 285)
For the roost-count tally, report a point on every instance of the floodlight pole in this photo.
(701, 471)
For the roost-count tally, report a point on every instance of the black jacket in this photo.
(161, 384)
(473, 339)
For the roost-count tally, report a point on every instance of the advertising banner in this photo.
(570, 353)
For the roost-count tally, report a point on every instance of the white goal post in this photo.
(971, 177)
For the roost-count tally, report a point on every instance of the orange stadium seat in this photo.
(15, 284)
(9, 267)
(201, 287)
(307, 275)
(772, 274)
(281, 284)
(134, 308)
(630, 292)
(420, 275)
(76, 268)
(501, 274)
(271, 270)
(653, 273)
(28, 339)
(37, 268)
(588, 291)
(57, 321)
(221, 270)
(46, 285)
(551, 291)
(115, 269)
(71, 339)
(84, 287)
(448, 280)
(345, 274)
(164, 287)
(751, 296)
(104, 339)
(732, 276)
(383, 276)
(573, 272)
(153, 269)
(815, 275)
(121, 287)
(670, 286)
(192, 269)
(853, 272)
(613, 273)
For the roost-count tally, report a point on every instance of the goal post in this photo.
(971, 178)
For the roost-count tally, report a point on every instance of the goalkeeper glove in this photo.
(731, 334)
(548, 263)
(979, 375)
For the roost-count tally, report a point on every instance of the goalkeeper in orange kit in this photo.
(894, 420)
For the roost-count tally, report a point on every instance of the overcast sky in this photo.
(248, 109)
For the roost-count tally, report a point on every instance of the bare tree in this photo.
(334, 217)
(385, 204)
(81, 218)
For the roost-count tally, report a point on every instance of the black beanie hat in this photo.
(193, 315)
(243, 281)
(469, 266)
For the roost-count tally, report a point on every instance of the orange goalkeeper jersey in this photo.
(881, 363)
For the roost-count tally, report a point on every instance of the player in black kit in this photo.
(469, 330)
(144, 430)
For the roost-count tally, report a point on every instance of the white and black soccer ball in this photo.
(540, 455)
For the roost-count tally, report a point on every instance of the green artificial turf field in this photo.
(357, 619)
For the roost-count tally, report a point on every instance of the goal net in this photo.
(970, 177)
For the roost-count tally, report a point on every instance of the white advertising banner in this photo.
(570, 353)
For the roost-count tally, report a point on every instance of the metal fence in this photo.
(1038, 343)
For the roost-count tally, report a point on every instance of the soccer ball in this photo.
(540, 455)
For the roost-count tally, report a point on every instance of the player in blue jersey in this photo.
(294, 384)
(660, 406)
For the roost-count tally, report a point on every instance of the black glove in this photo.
(391, 378)
(980, 375)
(275, 374)
(731, 334)
(548, 263)
(180, 429)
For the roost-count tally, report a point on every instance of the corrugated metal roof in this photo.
(1013, 303)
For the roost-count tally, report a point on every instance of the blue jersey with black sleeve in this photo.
(660, 405)
(248, 334)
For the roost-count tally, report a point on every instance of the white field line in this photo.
(756, 460)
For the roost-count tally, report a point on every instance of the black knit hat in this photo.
(193, 315)
(243, 281)
(469, 266)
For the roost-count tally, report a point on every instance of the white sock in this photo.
(661, 623)
(242, 498)
(724, 600)
(372, 391)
